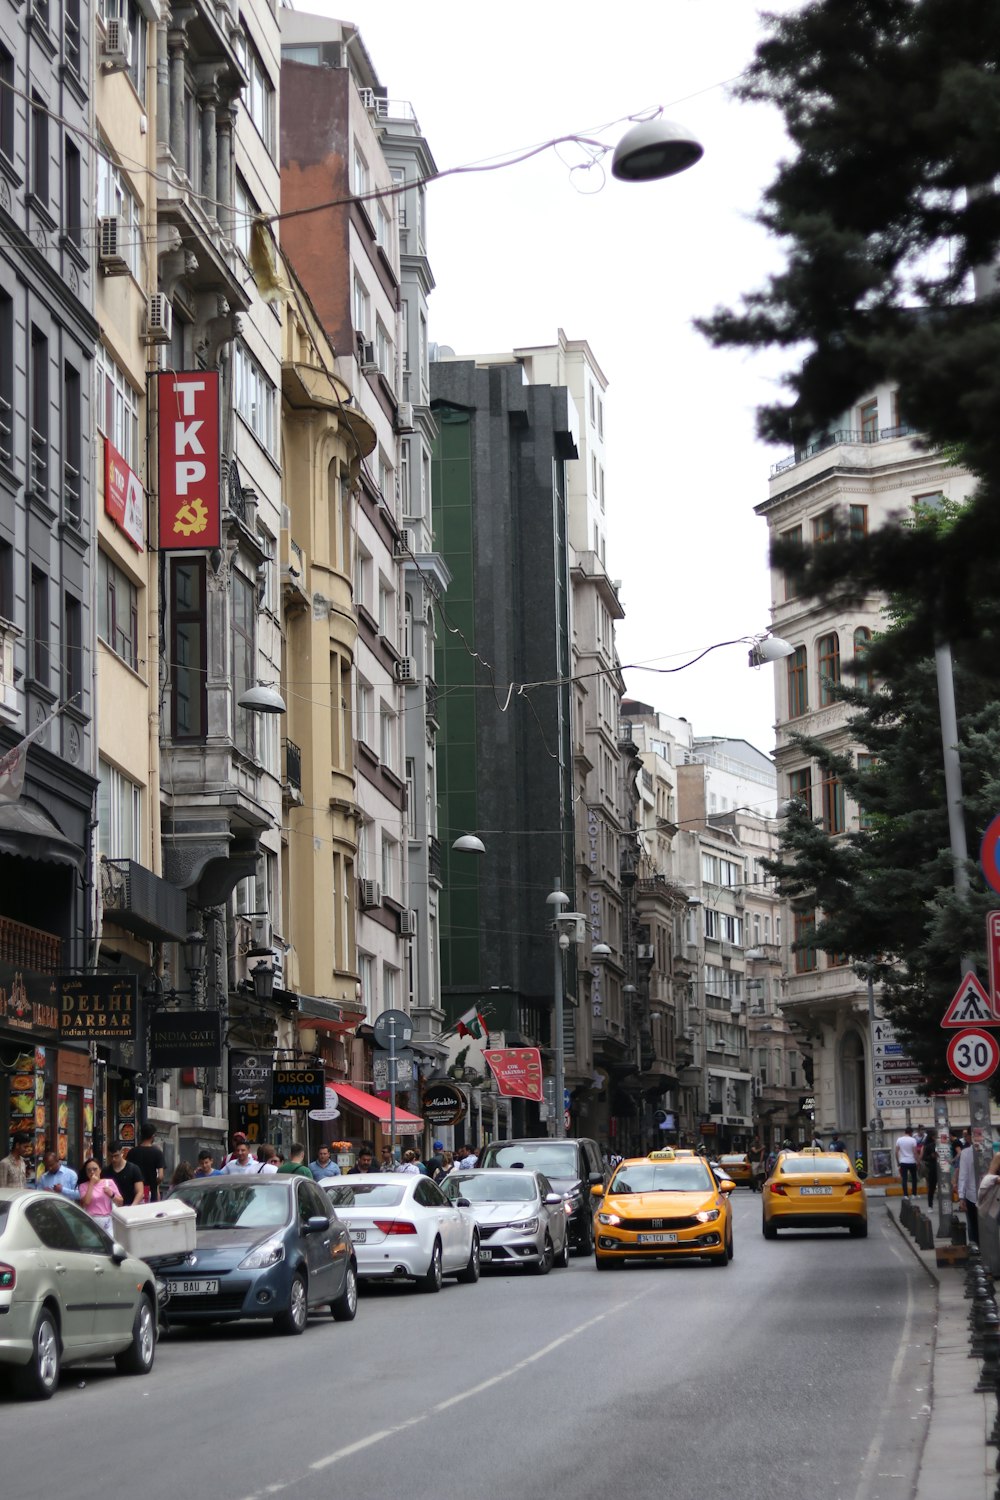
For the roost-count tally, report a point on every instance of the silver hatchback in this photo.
(522, 1219)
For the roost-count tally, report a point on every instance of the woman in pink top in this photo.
(98, 1194)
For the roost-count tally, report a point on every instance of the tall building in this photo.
(864, 470)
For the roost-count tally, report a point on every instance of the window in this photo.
(40, 627)
(115, 199)
(6, 104)
(255, 399)
(866, 764)
(798, 686)
(6, 376)
(389, 863)
(868, 421)
(244, 603)
(246, 211)
(822, 527)
(832, 798)
(804, 941)
(72, 644)
(72, 194)
(390, 992)
(259, 96)
(398, 182)
(119, 814)
(794, 535)
(386, 481)
(117, 611)
(117, 408)
(38, 181)
(187, 648)
(828, 659)
(71, 35)
(365, 698)
(862, 673)
(39, 475)
(386, 611)
(383, 352)
(72, 445)
(129, 12)
(387, 737)
(366, 977)
(800, 787)
(600, 485)
(360, 177)
(411, 799)
(593, 404)
(600, 417)
(362, 308)
(858, 522)
(383, 229)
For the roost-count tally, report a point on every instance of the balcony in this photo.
(435, 859)
(29, 947)
(293, 766)
(843, 437)
(141, 902)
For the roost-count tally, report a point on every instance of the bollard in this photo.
(990, 1373)
(925, 1234)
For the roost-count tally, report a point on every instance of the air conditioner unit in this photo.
(369, 364)
(159, 319)
(116, 53)
(111, 245)
(371, 893)
(407, 923)
(404, 542)
(261, 935)
(406, 669)
(404, 416)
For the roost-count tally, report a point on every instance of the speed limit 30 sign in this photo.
(973, 1055)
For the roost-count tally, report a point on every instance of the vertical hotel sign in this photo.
(187, 414)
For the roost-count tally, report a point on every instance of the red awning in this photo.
(378, 1109)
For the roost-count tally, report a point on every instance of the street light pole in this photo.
(558, 899)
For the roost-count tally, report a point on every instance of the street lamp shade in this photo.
(600, 950)
(262, 975)
(557, 898)
(767, 648)
(194, 951)
(262, 699)
(654, 149)
(467, 843)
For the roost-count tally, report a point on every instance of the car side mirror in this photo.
(726, 1185)
(463, 1203)
(595, 1178)
(554, 1198)
(118, 1253)
(597, 1191)
(315, 1224)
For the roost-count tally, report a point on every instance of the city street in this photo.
(801, 1369)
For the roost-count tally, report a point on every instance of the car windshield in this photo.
(552, 1158)
(237, 1204)
(793, 1166)
(489, 1187)
(660, 1177)
(371, 1195)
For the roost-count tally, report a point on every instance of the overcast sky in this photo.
(519, 253)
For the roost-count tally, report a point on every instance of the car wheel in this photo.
(40, 1376)
(605, 1263)
(586, 1245)
(296, 1314)
(858, 1231)
(562, 1259)
(543, 1265)
(137, 1359)
(730, 1248)
(470, 1275)
(769, 1231)
(431, 1280)
(718, 1260)
(346, 1305)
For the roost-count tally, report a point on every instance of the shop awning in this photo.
(29, 833)
(367, 1104)
(316, 1014)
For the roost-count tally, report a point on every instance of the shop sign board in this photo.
(298, 1088)
(250, 1077)
(185, 1039)
(97, 1007)
(443, 1104)
(189, 459)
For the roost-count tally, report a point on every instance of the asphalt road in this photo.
(800, 1370)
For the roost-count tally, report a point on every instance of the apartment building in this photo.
(866, 469)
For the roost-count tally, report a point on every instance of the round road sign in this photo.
(989, 854)
(973, 1055)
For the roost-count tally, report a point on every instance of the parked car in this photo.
(572, 1166)
(405, 1229)
(68, 1294)
(266, 1247)
(522, 1219)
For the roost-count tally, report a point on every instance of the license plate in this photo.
(359, 1236)
(657, 1239)
(200, 1288)
(815, 1191)
(485, 1254)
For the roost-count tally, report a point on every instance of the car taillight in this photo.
(853, 1187)
(776, 1187)
(8, 1277)
(395, 1226)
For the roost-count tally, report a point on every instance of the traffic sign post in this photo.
(973, 1055)
(970, 1005)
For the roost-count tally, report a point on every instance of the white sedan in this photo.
(404, 1228)
(522, 1219)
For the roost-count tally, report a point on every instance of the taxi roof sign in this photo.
(664, 1153)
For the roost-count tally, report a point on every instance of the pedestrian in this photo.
(296, 1163)
(364, 1162)
(816, 1143)
(267, 1160)
(127, 1177)
(836, 1144)
(239, 1139)
(756, 1155)
(928, 1155)
(387, 1161)
(434, 1162)
(410, 1164)
(58, 1178)
(241, 1162)
(968, 1192)
(99, 1194)
(206, 1164)
(469, 1159)
(906, 1156)
(183, 1172)
(324, 1165)
(447, 1164)
(150, 1160)
(14, 1168)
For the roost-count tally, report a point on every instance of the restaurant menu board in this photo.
(22, 1092)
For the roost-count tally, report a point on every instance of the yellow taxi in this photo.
(660, 1206)
(813, 1189)
(737, 1166)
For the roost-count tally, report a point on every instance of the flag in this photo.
(472, 1024)
(13, 763)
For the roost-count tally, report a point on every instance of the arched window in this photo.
(798, 685)
(828, 667)
(862, 675)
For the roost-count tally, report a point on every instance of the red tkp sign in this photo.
(189, 462)
(518, 1071)
(993, 956)
(124, 497)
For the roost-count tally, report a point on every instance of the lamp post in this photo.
(567, 927)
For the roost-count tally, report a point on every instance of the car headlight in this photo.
(525, 1226)
(268, 1254)
(572, 1202)
(609, 1218)
(707, 1215)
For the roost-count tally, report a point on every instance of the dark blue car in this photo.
(268, 1246)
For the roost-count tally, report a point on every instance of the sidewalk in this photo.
(956, 1460)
